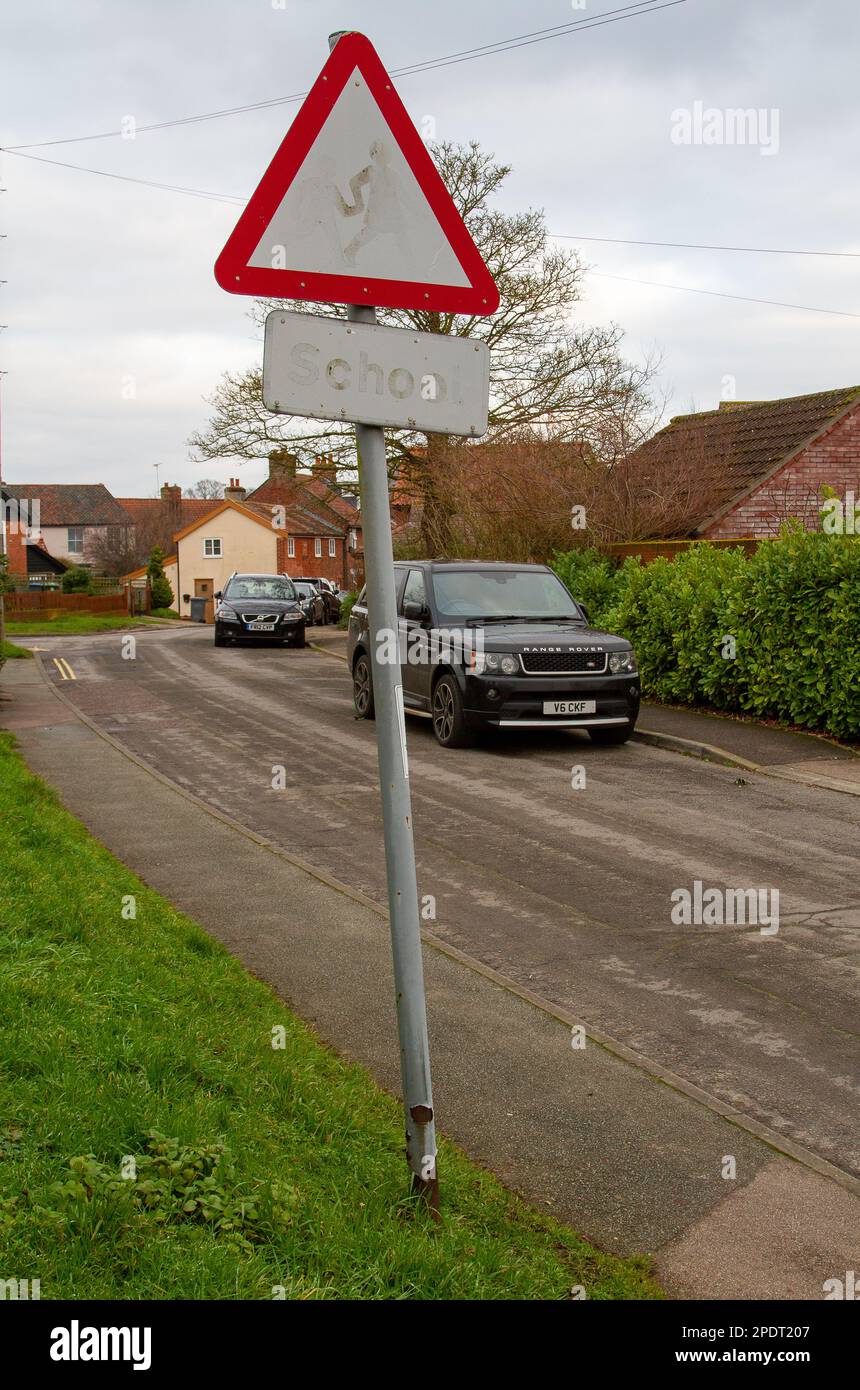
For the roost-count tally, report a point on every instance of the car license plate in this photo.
(261, 627)
(569, 706)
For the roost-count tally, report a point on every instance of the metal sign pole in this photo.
(396, 806)
(396, 802)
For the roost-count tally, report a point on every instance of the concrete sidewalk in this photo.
(626, 1153)
(743, 743)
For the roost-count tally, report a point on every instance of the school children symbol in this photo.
(352, 208)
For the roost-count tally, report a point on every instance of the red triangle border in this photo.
(234, 274)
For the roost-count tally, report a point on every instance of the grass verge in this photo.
(154, 1143)
(10, 652)
(73, 624)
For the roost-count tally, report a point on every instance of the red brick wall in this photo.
(16, 548)
(304, 561)
(795, 489)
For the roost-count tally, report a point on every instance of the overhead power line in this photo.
(237, 199)
(721, 294)
(127, 178)
(703, 246)
(465, 55)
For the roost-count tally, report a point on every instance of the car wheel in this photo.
(449, 719)
(220, 637)
(362, 688)
(299, 639)
(611, 733)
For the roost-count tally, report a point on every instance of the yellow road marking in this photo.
(64, 669)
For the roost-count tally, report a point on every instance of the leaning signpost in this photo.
(352, 210)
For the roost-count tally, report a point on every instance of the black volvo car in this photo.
(259, 607)
(497, 644)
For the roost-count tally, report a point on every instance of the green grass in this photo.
(9, 651)
(257, 1167)
(73, 624)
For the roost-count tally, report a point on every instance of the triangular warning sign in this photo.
(352, 208)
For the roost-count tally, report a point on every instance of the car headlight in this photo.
(622, 663)
(495, 662)
(226, 615)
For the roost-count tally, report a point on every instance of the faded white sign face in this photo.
(331, 369)
(355, 207)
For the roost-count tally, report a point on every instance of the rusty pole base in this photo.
(428, 1189)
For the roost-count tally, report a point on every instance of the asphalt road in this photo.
(565, 891)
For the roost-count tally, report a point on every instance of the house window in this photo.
(318, 546)
(212, 546)
(353, 540)
(76, 540)
(332, 548)
(291, 547)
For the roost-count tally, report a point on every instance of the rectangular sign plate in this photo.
(569, 706)
(331, 369)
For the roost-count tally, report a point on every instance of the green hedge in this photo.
(346, 606)
(792, 608)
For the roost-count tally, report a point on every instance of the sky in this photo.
(115, 330)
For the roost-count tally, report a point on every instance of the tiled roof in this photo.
(189, 508)
(348, 510)
(749, 439)
(313, 515)
(71, 504)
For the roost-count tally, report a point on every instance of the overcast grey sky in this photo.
(116, 327)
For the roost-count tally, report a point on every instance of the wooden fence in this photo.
(667, 550)
(42, 601)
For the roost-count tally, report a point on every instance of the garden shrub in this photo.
(775, 633)
(162, 593)
(77, 580)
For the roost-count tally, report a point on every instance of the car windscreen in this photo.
(487, 594)
(264, 587)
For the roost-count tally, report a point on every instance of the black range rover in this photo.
(498, 644)
(259, 607)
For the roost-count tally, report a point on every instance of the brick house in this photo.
(71, 516)
(234, 535)
(773, 459)
(157, 519)
(321, 533)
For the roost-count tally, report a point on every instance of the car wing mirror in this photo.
(414, 610)
(218, 593)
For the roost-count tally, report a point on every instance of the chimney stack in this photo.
(325, 468)
(234, 492)
(282, 464)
